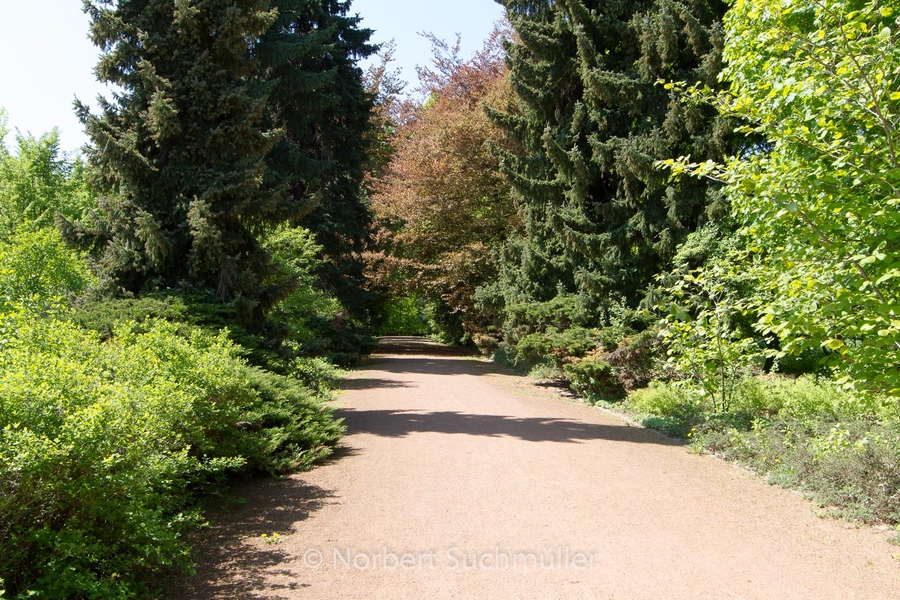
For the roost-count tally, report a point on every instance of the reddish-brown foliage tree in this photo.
(443, 204)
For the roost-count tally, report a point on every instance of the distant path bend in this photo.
(459, 480)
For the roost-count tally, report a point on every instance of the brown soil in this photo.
(460, 480)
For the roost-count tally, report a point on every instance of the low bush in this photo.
(104, 445)
(672, 408)
(595, 378)
(852, 466)
(842, 448)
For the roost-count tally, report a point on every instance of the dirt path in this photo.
(459, 480)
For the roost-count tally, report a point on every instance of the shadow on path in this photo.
(431, 365)
(401, 423)
(418, 345)
(262, 506)
(372, 383)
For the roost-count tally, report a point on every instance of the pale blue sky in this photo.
(47, 59)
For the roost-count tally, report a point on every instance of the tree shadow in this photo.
(432, 365)
(401, 423)
(395, 345)
(371, 383)
(256, 506)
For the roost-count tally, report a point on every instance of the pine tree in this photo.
(600, 219)
(234, 116)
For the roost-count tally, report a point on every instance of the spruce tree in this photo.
(600, 219)
(232, 119)
(320, 102)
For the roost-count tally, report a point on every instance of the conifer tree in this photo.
(321, 104)
(234, 116)
(600, 219)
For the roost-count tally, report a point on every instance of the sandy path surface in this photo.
(459, 480)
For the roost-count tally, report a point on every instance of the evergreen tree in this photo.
(600, 219)
(320, 102)
(234, 116)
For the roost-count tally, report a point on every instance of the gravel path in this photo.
(459, 480)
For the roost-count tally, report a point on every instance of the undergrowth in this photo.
(841, 448)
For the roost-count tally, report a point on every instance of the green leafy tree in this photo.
(819, 80)
(37, 182)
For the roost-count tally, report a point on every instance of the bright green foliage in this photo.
(37, 182)
(706, 334)
(295, 257)
(315, 322)
(36, 267)
(36, 185)
(600, 219)
(236, 116)
(405, 316)
(819, 200)
(103, 445)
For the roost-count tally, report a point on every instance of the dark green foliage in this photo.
(556, 345)
(635, 358)
(236, 116)
(180, 153)
(320, 102)
(294, 429)
(341, 339)
(600, 218)
(596, 378)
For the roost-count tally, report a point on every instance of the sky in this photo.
(48, 60)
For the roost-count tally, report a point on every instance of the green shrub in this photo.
(546, 371)
(673, 408)
(595, 378)
(532, 348)
(286, 427)
(561, 312)
(103, 446)
(841, 447)
(36, 267)
(556, 346)
(103, 316)
(637, 358)
(317, 374)
(852, 465)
